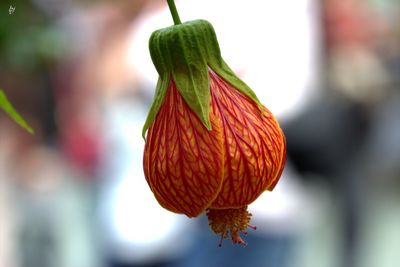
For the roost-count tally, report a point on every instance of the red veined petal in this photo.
(183, 161)
(255, 149)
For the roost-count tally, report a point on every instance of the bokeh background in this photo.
(74, 194)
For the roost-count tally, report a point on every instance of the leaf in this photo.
(10, 110)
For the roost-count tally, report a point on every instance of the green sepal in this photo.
(218, 65)
(223, 70)
(10, 110)
(179, 51)
(186, 53)
(161, 89)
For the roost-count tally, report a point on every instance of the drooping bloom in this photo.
(210, 145)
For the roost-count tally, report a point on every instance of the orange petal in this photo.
(183, 161)
(255, 151)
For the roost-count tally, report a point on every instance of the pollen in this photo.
(230, 222)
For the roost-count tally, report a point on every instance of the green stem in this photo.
(174, 12)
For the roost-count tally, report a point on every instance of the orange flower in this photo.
(210, 145)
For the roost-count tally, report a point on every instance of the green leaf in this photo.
(10, 110)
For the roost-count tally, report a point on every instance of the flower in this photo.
(210, 145)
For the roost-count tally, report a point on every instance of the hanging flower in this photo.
(210, 145)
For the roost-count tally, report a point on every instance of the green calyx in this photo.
(185, 53)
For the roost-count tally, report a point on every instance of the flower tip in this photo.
(238, 240)
(252, 227)
(230, 222)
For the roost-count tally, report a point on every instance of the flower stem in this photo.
(174, 12)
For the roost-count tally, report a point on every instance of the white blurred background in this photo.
(74, 195)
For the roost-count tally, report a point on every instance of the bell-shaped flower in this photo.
(211, 146)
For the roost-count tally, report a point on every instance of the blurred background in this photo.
(74, 194)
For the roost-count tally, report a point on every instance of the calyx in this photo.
(185, 53)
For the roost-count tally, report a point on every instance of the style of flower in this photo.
(210, 145)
